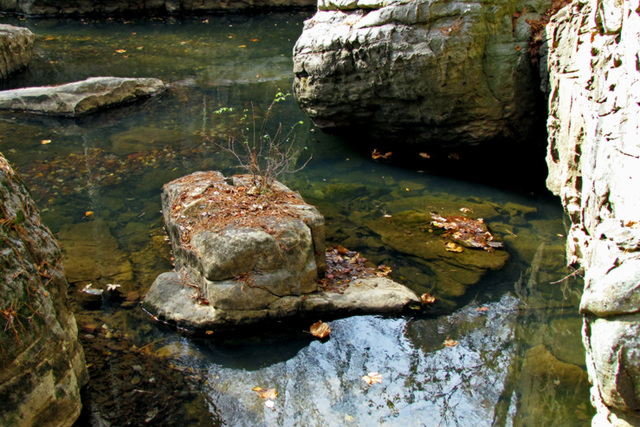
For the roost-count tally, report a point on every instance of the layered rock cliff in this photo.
(42, 365)
(594, 166)
(436, 72)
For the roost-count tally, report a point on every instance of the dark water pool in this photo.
(514, 356)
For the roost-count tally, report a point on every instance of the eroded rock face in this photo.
(594, 166)
(111, 7)
(242, 258)
(438, 72)
(42, 365)
(75, 99)
(16, 48)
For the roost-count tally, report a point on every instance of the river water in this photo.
(514, 353)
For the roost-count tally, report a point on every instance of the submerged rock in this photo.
(243, 257)
(75, 99)
(437, 72)
(42, 365)
(16, 48)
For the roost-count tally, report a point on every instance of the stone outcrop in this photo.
(242, 258)
(42, 365)
(16, 48)
(78, 98)
(437, 72)
(158, 7)
(594, 166)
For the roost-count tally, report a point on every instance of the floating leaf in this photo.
(320, 329)
(88, 214)
(254, 40)
(452, 247)
(427, 298)
(242, 45)
(372, 378)
(121, 50)
(45, 141)
(450, 343)
(378, 155)
(425, 155)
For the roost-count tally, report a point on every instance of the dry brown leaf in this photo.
(320, 329)
(452, 247)
(427, 298)
(266, 393)
(378, 155)
(372, 378)
(450, 343)
(383, 270)
(485, 308)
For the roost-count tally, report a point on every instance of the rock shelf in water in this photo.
(243, 258)
(77, 98)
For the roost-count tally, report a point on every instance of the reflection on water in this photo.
(518, 358)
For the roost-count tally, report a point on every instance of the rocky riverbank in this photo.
(42, 365)
(594, 166)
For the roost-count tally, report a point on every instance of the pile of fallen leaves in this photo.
(220, 205)
(469, 232)
(345, 266)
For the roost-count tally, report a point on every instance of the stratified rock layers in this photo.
(437, 72)
(594, 165)
(42, 365)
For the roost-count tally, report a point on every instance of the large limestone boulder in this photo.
(16, 48)
(42, 365)
(435, 71)
(77, 98)
(243, 257)
(594, 166)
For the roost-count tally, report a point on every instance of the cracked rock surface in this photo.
(440, 72)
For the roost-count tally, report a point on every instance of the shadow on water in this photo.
(501, 345)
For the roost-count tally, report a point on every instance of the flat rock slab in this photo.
(174, 301)
(78, 98)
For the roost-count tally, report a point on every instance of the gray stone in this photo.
(16, 48)
(75, 99)
(173, 300)
(442, 72)
(42, 365)
(242, 258)
(612, 282)
(594, 166)
(274, 255)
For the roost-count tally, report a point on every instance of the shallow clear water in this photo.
(518, 359)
